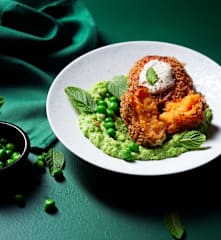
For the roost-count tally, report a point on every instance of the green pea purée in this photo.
(92, 125)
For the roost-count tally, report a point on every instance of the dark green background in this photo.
(194, 24)
(99, 205)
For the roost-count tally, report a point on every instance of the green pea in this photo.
(113, 106)
(101, 109)
(3, 141)
(9, 161)
(126, 154)
(49, 204)
(1, 164)
(111, 132)
(40, 164)
(1, 146)
(134, 147)
(9, 152)
(113, 99)
(10, 146)
(108, 119)
(107, 95)
(110, 112)
(109, 125)
(19, 199)
(15, 156)
(41, 157)
(102, 103)
(3, 154)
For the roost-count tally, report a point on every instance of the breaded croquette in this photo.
(150, 118)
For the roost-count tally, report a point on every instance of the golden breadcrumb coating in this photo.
(183, 82)
(139, 112)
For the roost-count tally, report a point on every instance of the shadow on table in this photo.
(24, 182)
(193, 192)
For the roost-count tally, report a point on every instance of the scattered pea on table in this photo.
(49, 205)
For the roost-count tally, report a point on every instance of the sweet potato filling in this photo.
(185, 113)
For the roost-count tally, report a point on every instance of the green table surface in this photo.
(95, 204)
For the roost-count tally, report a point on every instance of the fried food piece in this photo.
(140, 113)
(150, 117)
(183, 114)
(183, 82)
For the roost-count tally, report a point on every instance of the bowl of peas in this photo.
(14, 147)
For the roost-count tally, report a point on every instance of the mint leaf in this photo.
(54, 161)
(204, 127)
(174, 224)
(81, 100)
(151, 76)
(117, 86)
(1, 101)
(192, 139)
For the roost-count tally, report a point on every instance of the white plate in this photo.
(116, 59)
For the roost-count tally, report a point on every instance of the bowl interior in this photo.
(15, 135)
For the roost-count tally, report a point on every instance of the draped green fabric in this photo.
(37, 39)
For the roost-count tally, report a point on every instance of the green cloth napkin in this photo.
(37, 39)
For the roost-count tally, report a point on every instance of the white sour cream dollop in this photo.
(164, 74)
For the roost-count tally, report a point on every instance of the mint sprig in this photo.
(151, 76)
(117, 86)
(81, 100)
(55, 162)
(1, 101)
(192, 139)
(204, 127)
(174, 224)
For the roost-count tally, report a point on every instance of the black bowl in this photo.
(16, 135)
